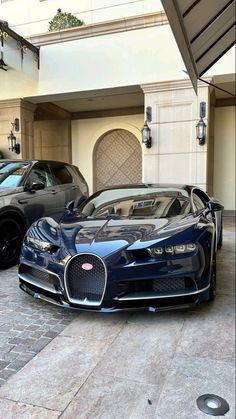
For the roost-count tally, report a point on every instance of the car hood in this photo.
(8, 191)
(104, 236)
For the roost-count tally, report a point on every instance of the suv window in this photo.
(41, 173)
(79, 180)
(61, 174)
(11, 173)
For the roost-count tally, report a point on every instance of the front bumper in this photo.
(153, 305)
(129, 287)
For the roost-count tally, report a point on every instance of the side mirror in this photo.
(70, 206)
(35, 186)
(214, 206)
(80, 201)
(75, 204)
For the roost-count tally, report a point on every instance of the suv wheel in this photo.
(10, 242)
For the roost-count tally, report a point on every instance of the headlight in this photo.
(171, 250)
(39, 244)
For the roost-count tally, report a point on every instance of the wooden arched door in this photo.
(117, 159)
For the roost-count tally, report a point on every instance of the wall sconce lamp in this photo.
(201, 126)
(146, 135)
(16, 124)
(12, 144)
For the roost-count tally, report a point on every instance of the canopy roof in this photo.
(204, 31)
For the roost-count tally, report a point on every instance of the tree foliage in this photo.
(63, 21)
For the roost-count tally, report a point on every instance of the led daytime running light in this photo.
(171, 250)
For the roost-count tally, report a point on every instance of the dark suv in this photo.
(30, 189)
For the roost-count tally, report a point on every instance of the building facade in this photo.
(87, 101)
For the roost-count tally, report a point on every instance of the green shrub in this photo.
(64, 21)
(1, 155)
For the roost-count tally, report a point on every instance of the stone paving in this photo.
(26, 325)
(122, 365)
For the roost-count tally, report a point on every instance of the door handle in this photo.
(53, 192)
(23, 201)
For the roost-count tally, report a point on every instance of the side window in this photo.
(61, 174)
(79, 180)
(185, 206)
(199, 200)
(40, 173)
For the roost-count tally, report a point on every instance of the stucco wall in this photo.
(119, 59)
(127, 58)
(24, 111)
(52, 140)
(224, 156)
(16, 84)
(85, 134)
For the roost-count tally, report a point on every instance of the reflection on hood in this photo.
(105, 230)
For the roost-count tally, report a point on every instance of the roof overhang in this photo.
(204, 31)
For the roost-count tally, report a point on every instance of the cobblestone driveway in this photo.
(122, 360)
(26, 325)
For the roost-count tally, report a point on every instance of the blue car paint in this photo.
(122, 244)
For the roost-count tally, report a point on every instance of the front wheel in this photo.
(220, 241)
(11, 236)
(212, 289)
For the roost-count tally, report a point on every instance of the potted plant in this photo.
(63, 21)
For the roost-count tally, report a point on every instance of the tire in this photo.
(10, 242)
(212, 289)
(220, 241)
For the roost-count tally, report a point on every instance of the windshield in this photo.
(137, 203)
(11, 173)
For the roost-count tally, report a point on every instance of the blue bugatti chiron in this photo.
(127, 247)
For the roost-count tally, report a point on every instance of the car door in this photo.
(43, 202)
(200, 200)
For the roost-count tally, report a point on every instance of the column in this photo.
(175, 155)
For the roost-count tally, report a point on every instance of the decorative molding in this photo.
(171, 85)
(17, 103)
(102, 28)
(28, 105)
(10, 103)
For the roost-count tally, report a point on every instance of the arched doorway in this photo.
(117, 159)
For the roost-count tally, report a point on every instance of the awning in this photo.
(22, 44)
(204, 31)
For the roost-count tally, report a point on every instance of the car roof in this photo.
(151, 185)
(34, 161)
